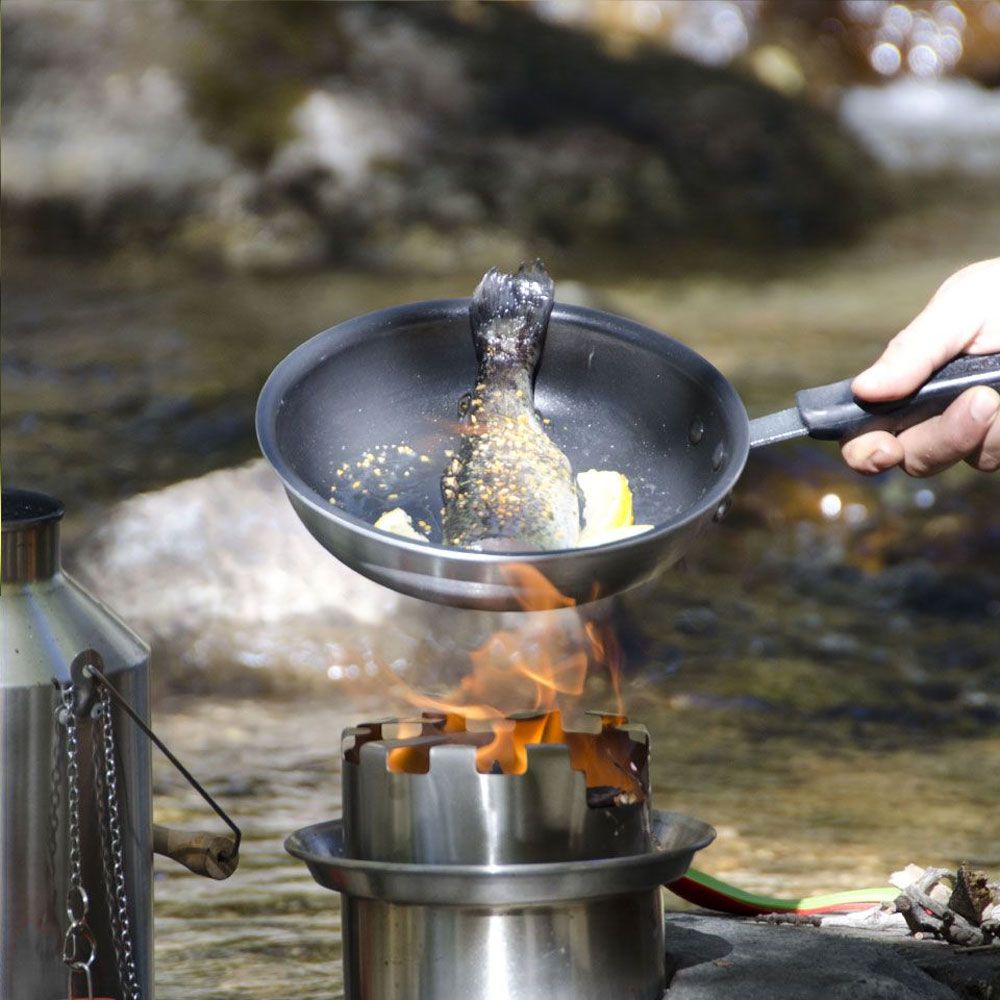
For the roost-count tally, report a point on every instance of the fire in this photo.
(520, 685)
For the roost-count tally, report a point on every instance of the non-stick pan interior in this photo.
(619, 396)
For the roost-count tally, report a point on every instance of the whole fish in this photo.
(509, 488)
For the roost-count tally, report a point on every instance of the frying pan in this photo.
(618, 396)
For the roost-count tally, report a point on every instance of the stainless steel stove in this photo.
(473, 866)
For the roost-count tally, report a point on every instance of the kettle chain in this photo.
(79, 944)
(78, 958)
(56, 784)
(112, 847)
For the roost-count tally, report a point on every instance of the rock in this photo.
(716, 958)
(240, 786)
(218, 573)
(974, 976)
(837, 644)
(577, 293)
(234, 231)
(370, 131)
(232, 592)
(951, 595)
(697, 621)
(96, 124)
(226, 545)
(765, 646)
(341, 135)
(929, 126)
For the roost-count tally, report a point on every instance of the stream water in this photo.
(821, 679)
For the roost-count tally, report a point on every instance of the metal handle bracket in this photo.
(87, 666)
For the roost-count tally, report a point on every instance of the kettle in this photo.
(76, 832)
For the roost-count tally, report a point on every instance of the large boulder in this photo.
(231, 591)
(98, 140)
(218, 575)
(717, 958)
(275, 135)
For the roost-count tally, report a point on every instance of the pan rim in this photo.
(312, 352)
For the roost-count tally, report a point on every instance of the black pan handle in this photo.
(833, 413)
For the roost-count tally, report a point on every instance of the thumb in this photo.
(946, 327)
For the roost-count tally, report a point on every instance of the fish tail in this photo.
(510, 313)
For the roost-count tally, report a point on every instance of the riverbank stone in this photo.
(714, 957)
(231, 591)
(413, 136)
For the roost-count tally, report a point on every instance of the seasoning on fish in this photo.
(509, 488)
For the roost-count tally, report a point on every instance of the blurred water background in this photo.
(191, 189)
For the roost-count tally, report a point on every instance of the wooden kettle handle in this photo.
(210, 854)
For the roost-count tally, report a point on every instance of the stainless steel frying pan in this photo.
(619, 396)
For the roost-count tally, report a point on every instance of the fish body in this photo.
(509, 488)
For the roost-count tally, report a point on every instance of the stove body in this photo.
(457, 883)
(606, 947)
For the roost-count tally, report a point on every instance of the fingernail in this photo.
(871, 378)
(984, 406)
(881, 459)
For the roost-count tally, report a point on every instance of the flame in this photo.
(610, 759)
(535, 591)
(521, 683)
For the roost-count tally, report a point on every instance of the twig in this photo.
(793, 919)
(924, 914)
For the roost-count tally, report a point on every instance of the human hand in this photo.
(963, 317)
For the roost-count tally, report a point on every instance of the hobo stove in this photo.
(457, 883)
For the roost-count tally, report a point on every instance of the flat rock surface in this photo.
(717, 957)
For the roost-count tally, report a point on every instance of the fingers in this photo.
(943, 330)
(987, 457)
(873, 452)
(968, 429)
(962, 317)
(948, 326)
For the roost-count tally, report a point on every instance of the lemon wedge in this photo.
(588, 538)
(607, 508)
(607, 500)
(398, 522)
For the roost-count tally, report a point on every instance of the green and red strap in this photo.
(714, 894)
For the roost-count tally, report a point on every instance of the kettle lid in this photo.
(25, 508)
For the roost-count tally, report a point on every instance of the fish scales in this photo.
(509, 487)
